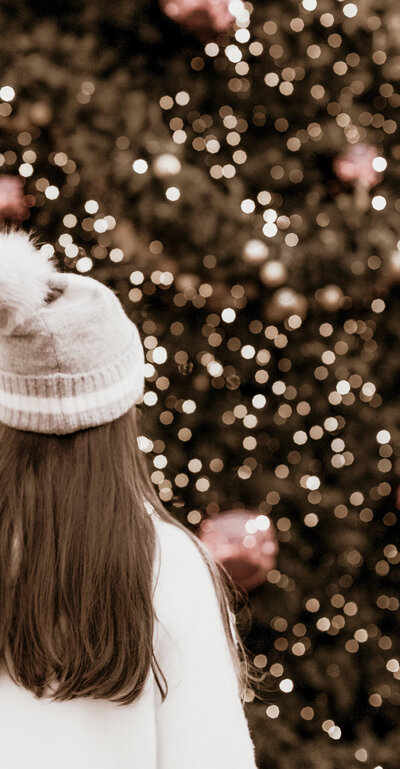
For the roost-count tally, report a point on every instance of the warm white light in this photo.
(25, 169)
(47, 249)
(214, 368)
(182, 98)
(350, 10)
(286, 685)
(52, 192)
(7, 93)
(144, 443)
(91, 206)
(228, 315)
(383, 436)
(84, 264)
(211, 49)
(309, 5)
(172, 193)
(159, 355)
(379, 164)
(140, 166)
(116, 255)
(247, 206)
(263, 522)
(368, 389)
(378, 202)
(259, 401)
(150, 398)
(100, 225)
(188, 406)
(160, 461)
(343, 387)
(70, 220)
(71, 251)
(270, 229)
(270, 215)
(251, 526)
(136, 277)
(248, 351)
(236, 7)
(233, 53)
(242, 35)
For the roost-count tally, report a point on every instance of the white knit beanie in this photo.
(70, 358)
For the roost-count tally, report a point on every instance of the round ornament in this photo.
(393, 267)
(204, 18)
(286, 302)
(330, 297)
(273, 273)
(40, 113)
(245, 544)
(355, 165)
(166, 165)
(255, 251)
(12, 205)
(186, 280)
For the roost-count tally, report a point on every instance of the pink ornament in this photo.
(202, 17)
(12, 205)
(355, 165)
(245, 544)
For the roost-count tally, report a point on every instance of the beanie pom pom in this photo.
(25, 274)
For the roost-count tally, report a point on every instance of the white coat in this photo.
(200, 725)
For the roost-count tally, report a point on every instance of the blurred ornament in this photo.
(204, 18)
(40, 113)
(356, 165)
(166, 165)
(255, 251)
(124, 236)
(330, 297)
(392, 271)
(273, 273)
(245, 543)
(185, 280)
(12, 205)
(220, 298)
(286, 302)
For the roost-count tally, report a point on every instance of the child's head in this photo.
(70, 358)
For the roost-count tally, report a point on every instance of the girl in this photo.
(117, 646)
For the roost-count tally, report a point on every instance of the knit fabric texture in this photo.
(77, 363)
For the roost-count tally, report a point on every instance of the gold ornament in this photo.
(273, 273)
(330, 297)
(40, 113)
(186, 280)
(286, 302)
(255, 251)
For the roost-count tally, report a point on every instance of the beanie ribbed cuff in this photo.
(63, 403)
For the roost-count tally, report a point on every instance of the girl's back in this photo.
(200, 724)
(100, 589)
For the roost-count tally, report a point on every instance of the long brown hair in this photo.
(77, 547)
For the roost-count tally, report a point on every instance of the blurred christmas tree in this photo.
(235, 178)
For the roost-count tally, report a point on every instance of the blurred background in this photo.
(231, 170)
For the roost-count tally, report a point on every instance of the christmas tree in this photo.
(232, 172)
